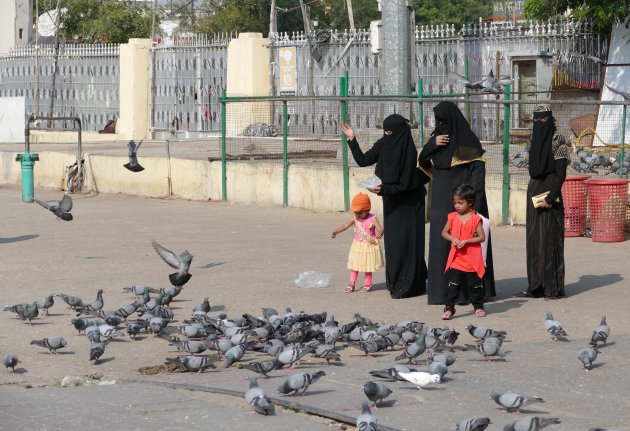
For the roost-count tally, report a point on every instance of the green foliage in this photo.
(452, 12)
(235, 16)
(603, 13)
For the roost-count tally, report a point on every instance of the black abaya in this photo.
(444, 181)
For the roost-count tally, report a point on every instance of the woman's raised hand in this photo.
(347, 130)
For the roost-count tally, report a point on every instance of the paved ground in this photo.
(247, 258)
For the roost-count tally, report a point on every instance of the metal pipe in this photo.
(505, 202)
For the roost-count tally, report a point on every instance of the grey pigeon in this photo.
(220, 345)
(299, 381)
(10, 360)
(376, 391)
(51, 343)
(392, 372)
(74, 302)
(473, 424)
(60, 208)
(467, 83)
(96, 305)
(96, 350)
(133, 164)
(46, 303)
(24, 311)
(133, 329)
(190, 346)
(328, 353)
(331, 331)
(587, 356)
(480, 332)
(366, 420)
(137, 289)
(414, 350)
(489, 349)
(204, 306)
(263, 368)
(435, 367)
(448, 360)
(234, 354)
(195, 330)
(512, 402)
(181, 263)
(256, 397)
(192, 363)
(554, 328)
(291, 355)
(601, 332)
(533, 423)
(127, 310)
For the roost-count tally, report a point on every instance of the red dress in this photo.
(469, 258)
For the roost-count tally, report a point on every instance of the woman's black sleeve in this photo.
(556, 188)
(364, 159)
(477, 175)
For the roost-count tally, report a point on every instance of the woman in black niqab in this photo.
(403, 192)
(452, 156)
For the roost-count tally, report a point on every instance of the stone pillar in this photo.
(247, 75)
(397, 54)
(134, 89)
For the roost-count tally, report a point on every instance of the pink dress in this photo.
(365, 253)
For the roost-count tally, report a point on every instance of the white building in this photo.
(16, 24)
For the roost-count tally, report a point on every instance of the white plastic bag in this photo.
(312, 279)
(370, 183)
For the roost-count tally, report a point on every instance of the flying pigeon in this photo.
(256, 397)
(181, 263)
(51, 343)
(133, 164)
(512, 402)
(366, 420)
(60, 208)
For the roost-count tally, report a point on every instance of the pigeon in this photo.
(220, 345)
(190, 346)
(480, 332)
(331, 331)
(256, 397)
(61, 208)
(96, 305)
(261, 367)
(96, 350)
(46, 303)
(420, 378)
(473, 424)
(133, 329)
(24, 311)
(133, 164)
(137, 289)
(554, 328)
(494, 85)
(127, 310)
(588, 57)
(51, 343)
(435, 367)
(291, 355)
(366, 420)
(414, 350)
(490, 348)
(181, 263)
(376, 391)
(392, 372)
(191, 363)
(601, 332)
(512, 402)
(534, 423)
(10, 360)
(81, 324)
(328, 353)
(448, 360)
(74, 302)
(299, 381)
(587, 356)
(467, 83)
(234, 354)
(204, 306)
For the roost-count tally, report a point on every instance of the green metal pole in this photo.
(223, 157)
(466, 91)
(343, 90)
(622, 159)
(285, 159)
(505, 205)
(421, 112)
(27, 161)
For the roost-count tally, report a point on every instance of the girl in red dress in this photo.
(464, 230)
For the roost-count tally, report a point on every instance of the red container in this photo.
(574, 198)
(608, 200)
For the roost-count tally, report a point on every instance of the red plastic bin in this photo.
(574, 197)
(608, 200)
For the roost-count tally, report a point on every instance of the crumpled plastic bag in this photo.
(312, 279)
(370, 183)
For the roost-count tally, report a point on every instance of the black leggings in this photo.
(455, 280)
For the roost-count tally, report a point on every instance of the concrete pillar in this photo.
(247, 75)
(134, 89)
(396, 75)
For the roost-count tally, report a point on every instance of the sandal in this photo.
(349, 289)
(448, 313)
(480, 312)
(366, 288)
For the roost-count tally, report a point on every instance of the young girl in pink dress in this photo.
(365, 253)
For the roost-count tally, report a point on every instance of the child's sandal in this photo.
(366, 288)
(480, 312)
(349, 289)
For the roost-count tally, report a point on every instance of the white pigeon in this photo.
(420, 378)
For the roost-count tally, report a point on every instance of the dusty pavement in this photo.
(247, 258)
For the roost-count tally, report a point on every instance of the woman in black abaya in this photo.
(403, 194)
(452, 156)
(544, 230)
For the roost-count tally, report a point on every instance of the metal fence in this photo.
(78, 80)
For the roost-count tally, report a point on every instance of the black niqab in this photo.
(397, 160)
(463, 143)
(541, 160)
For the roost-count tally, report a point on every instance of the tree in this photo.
(451, 12)
(603, 13)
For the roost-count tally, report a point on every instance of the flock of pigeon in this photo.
(286, 339)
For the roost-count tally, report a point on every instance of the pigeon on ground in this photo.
(195, 364)
(392, 372)
(512, 402)
(133, 164)
(234, 354)
(534, 423)
(436, 367)
(24, 311)
(60, 208)
(448, 360)
(331, 331)
(414, 350)
(490, 348)
(181, 263)
(554, 328)
(587, 356)
(96, 350)
(127, 310)
(600, 333)
(133, 329)
(299, 381)
(420, 378)
(74, 302)
(190, 346)
(263, 368)
(204, 306)
(96, 305)
(473, 424)
(328, 353)
(291, 355)
(10, 360)
(46, 303)
(366, 420)
(256, 397)
(376, 392)
(480, 332)
(51, 343)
